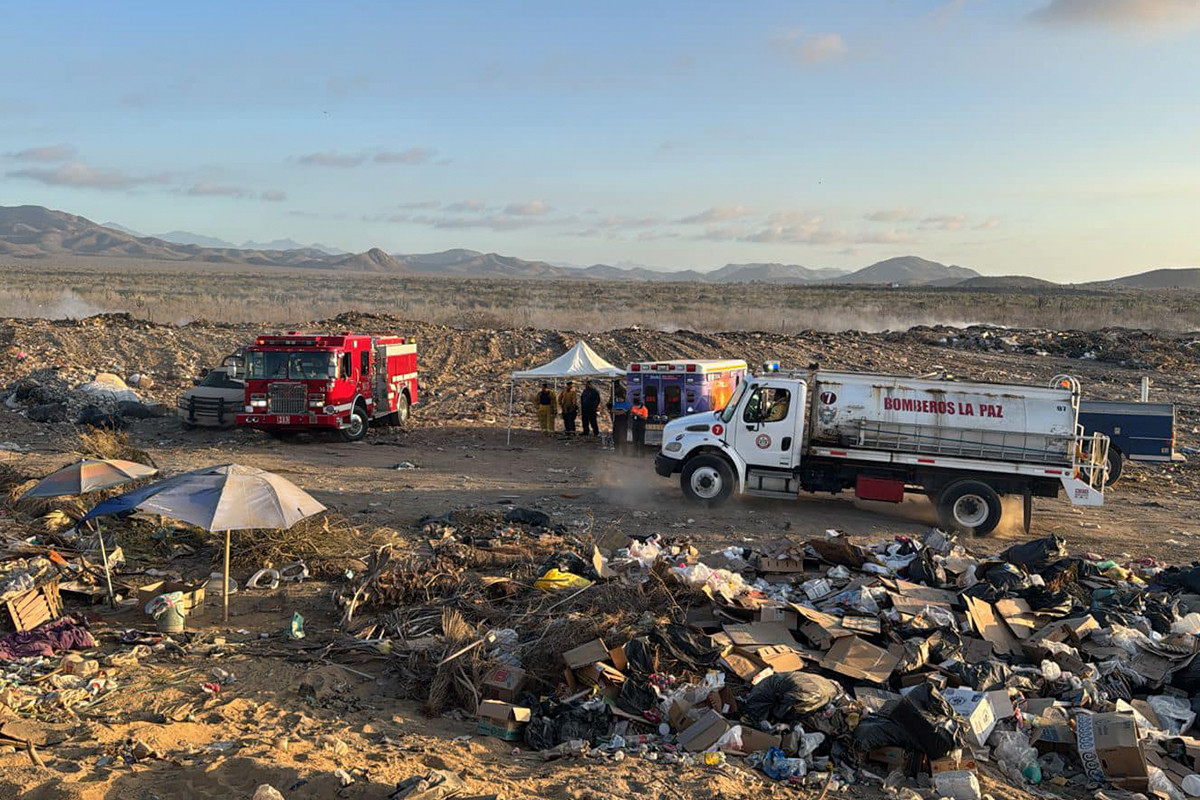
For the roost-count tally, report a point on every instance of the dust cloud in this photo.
(66, 304)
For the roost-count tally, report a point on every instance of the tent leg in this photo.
(112, 602)
(511, 389)
(225, 587)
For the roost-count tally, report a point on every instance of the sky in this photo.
(1056, 138)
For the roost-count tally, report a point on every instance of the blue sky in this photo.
(1058, 138)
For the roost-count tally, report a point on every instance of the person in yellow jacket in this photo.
(568, 404)
(547, 409)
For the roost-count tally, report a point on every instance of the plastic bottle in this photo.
(959, 785)
(1191, 785)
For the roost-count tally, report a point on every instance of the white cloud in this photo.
(466, 207)
(216, 190)
(1121, 14)
(900, 214)
(330, 158)
(274, 196)
(618, 221)
(413, 155)
(418, 204)
(944, 222)
(83, 176)
(532, 208)
(809, 48)
(50, 152)
(988, 224)
(716, 214)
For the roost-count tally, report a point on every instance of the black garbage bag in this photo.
(928, 721)
(636, 697)
(1037, 553)
(642, 656)
(1040, 598)
(925, 569)
(1162, 610)
(997, 580)
(687, 646)
(527, 516)
(790, 696)
(554, 723)
(875, 731)
(982, 677)
(1187, 578)
(96, 417)
(1188, 678)
(567, 561)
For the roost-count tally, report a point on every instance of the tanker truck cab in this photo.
(756, 439)
(965, 446)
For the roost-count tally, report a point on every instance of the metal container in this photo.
(969, 420)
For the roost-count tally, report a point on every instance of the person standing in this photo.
(568, 404)
(589, 409)
(546, 409)
(637, 418)
(619, 408)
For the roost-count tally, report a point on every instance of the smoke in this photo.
(63, 304)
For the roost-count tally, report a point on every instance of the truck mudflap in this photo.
(666, 466)
(1081, 494)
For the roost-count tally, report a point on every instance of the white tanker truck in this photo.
(964, 445)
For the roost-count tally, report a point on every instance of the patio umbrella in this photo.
(223, 498)
(90, 475)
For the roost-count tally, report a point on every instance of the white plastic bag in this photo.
(1174, 713)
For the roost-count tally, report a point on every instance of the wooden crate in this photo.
(35, 607)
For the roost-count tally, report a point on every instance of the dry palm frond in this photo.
(105, 443)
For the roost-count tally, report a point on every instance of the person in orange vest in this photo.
(637, 419)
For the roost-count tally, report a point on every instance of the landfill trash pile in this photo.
(909, 665)
(100, 399)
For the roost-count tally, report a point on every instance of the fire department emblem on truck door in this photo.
(763, 441)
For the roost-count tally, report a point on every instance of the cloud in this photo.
(617, 221)
(50, 152)
(812, 48)
(944, 222)
(900, 214)
(988, 224)
(330, 158)
(413, 155)
(1120, 14)
(466, 207)
(342, 85)
(216, 190)
(273, 196)
(793, 226)
(716, 214)
(417, 204)
(83, 176)
(533, 208)
(496, 222)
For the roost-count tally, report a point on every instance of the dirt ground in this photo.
(262, 729)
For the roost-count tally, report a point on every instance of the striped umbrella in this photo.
(89, 475)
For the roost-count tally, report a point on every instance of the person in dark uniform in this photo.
(637, 419)
(589, 408)
(618, 408)
(568, 406)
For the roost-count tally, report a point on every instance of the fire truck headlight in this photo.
(673, 447)
(329, 410)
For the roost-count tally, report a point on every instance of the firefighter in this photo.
(546, 409)
(589, 408)
(568, 404)
(619, 407)
(637, 418)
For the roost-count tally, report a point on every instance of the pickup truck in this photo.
(1135, 431)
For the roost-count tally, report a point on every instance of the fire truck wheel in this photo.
(357, 429)
(707, 480)
(400, 415)
(1115, 463)
(969, 506)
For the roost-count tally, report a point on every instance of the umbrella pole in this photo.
(107, 572)
(225, 587)
(512, 385)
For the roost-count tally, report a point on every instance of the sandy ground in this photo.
(262, 730)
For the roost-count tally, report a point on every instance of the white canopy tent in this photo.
(581, 361)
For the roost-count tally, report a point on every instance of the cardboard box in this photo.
(1110, 751)
(861, 660)
(760, 634)
(1002, 706)
(893, 757)
(976, 710)
(502, 720)
(504, 684)
(607, 680)
(618, 659)
(778, 614)
(780, 565)
(874, 700)
(704, 732)
(987, 623)
(1072, 631)
(1056, 737)
(953, 763)
(747, 667)
(781, 659)
(754, 740)
(193, 593)
(586, 654)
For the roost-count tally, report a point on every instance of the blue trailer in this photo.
(1136, 431)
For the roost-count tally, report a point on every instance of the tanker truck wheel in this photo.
(357, 429)
(1115, 464)
(969, 506)
(707, 480)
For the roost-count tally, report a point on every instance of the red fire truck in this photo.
(302, 382)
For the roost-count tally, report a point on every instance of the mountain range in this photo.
(37, 233)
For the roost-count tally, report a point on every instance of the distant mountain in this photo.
(374, 260)
(1184, 278)
(292, 244)
(1004, 282)
(908, 271)
(117, 227)
(198, 239)
(771, 273)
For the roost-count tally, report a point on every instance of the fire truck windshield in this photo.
(306, 365)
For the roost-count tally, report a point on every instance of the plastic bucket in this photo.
(170, 620)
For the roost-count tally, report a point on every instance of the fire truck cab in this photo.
(302, 382)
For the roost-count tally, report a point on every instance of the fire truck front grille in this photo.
(287, 398)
